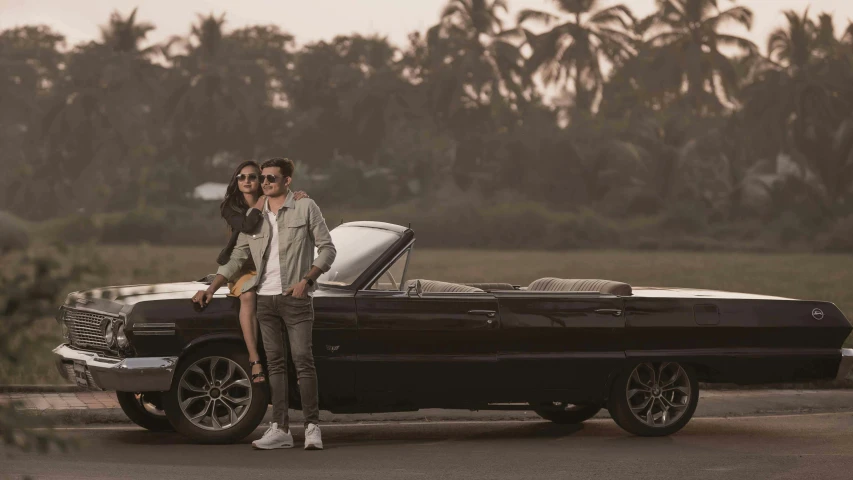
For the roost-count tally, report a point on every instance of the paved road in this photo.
(102, 407)
(780, 447)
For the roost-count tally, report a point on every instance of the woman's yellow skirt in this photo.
(244, 274)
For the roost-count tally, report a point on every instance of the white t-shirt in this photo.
(270, 283)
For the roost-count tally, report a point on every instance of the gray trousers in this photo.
(284, 321)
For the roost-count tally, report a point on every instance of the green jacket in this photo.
(301, 227)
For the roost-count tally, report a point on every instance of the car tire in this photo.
(654, 399)
(565, 413)
(145, 409)
(212, 399)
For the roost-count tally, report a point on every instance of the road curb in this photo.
(58, 388)
(826, 385)
(818, 385)
(80, 416)
(712, 404)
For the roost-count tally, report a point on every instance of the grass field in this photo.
(804, 276)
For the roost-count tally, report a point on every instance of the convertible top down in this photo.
(385, 342)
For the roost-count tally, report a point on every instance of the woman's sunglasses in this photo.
(253, 177)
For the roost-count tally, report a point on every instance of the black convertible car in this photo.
(384, 342)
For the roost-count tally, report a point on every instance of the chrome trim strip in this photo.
(142, 374)
(560, 355)
(845, 368)
(154, 332)
(728, 351)
(90, 310)
(391, 358)
(153, 325)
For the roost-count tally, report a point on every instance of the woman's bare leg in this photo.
(249, 325)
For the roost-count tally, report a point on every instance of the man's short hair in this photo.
(284, 164)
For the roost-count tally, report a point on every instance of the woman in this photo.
(241, 209)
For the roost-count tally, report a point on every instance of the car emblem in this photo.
(82, 300)
(332, 348)
(817, 314)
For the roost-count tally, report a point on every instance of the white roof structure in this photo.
(210, 191)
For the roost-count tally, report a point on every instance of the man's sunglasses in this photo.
(270, 178)
(253, 177)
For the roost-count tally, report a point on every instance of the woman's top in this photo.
(239, 221)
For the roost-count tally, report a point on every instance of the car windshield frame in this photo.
(362, 262)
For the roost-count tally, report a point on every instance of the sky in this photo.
(317, 20)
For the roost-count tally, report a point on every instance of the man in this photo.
(286, 277)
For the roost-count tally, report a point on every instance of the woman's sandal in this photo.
(260, 374)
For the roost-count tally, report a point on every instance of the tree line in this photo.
(670, 115)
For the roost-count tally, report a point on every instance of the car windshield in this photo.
(357, 248)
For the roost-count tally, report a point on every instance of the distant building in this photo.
(210, 191)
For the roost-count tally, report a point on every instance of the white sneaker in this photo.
(273, 438)
(313, 441)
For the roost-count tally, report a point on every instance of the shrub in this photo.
(73, 229)
(788, 228)
(839, 238)
(143, 225)
(13, 235)
(195, 225)
(584, 229)
(685, 217)
(202, 225)
(515, 225)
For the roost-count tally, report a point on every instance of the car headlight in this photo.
(60, 318)
(121, 338)
(109, 335)
(66, 334)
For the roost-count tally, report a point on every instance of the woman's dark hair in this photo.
(233, 196)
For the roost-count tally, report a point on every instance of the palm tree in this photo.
(221, 88)
(847, 37)
(476, 17)
(793, 67)
(471, 73)
(799, 102)
(30, 62)
(125, 34)
(687, 42)
(471, 61)
(796, 46)
(99, 125)
(351, 85)
(573, 51)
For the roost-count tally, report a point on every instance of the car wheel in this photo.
(145, 409)
(565, 413)
(654, 399)
(212, 399)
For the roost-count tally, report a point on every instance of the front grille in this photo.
(86, 328)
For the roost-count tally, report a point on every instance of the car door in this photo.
(560, 343)
(433, 344)
(335, 346)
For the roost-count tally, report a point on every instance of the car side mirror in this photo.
(416, 286)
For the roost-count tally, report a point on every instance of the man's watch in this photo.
(309, 280)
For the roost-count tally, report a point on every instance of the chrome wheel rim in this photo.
(215, 393)
(148, 407)
(658, 393)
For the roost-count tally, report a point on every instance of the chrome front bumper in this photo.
(145, 374)
(846, 366)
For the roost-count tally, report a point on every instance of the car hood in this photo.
(131, 294)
